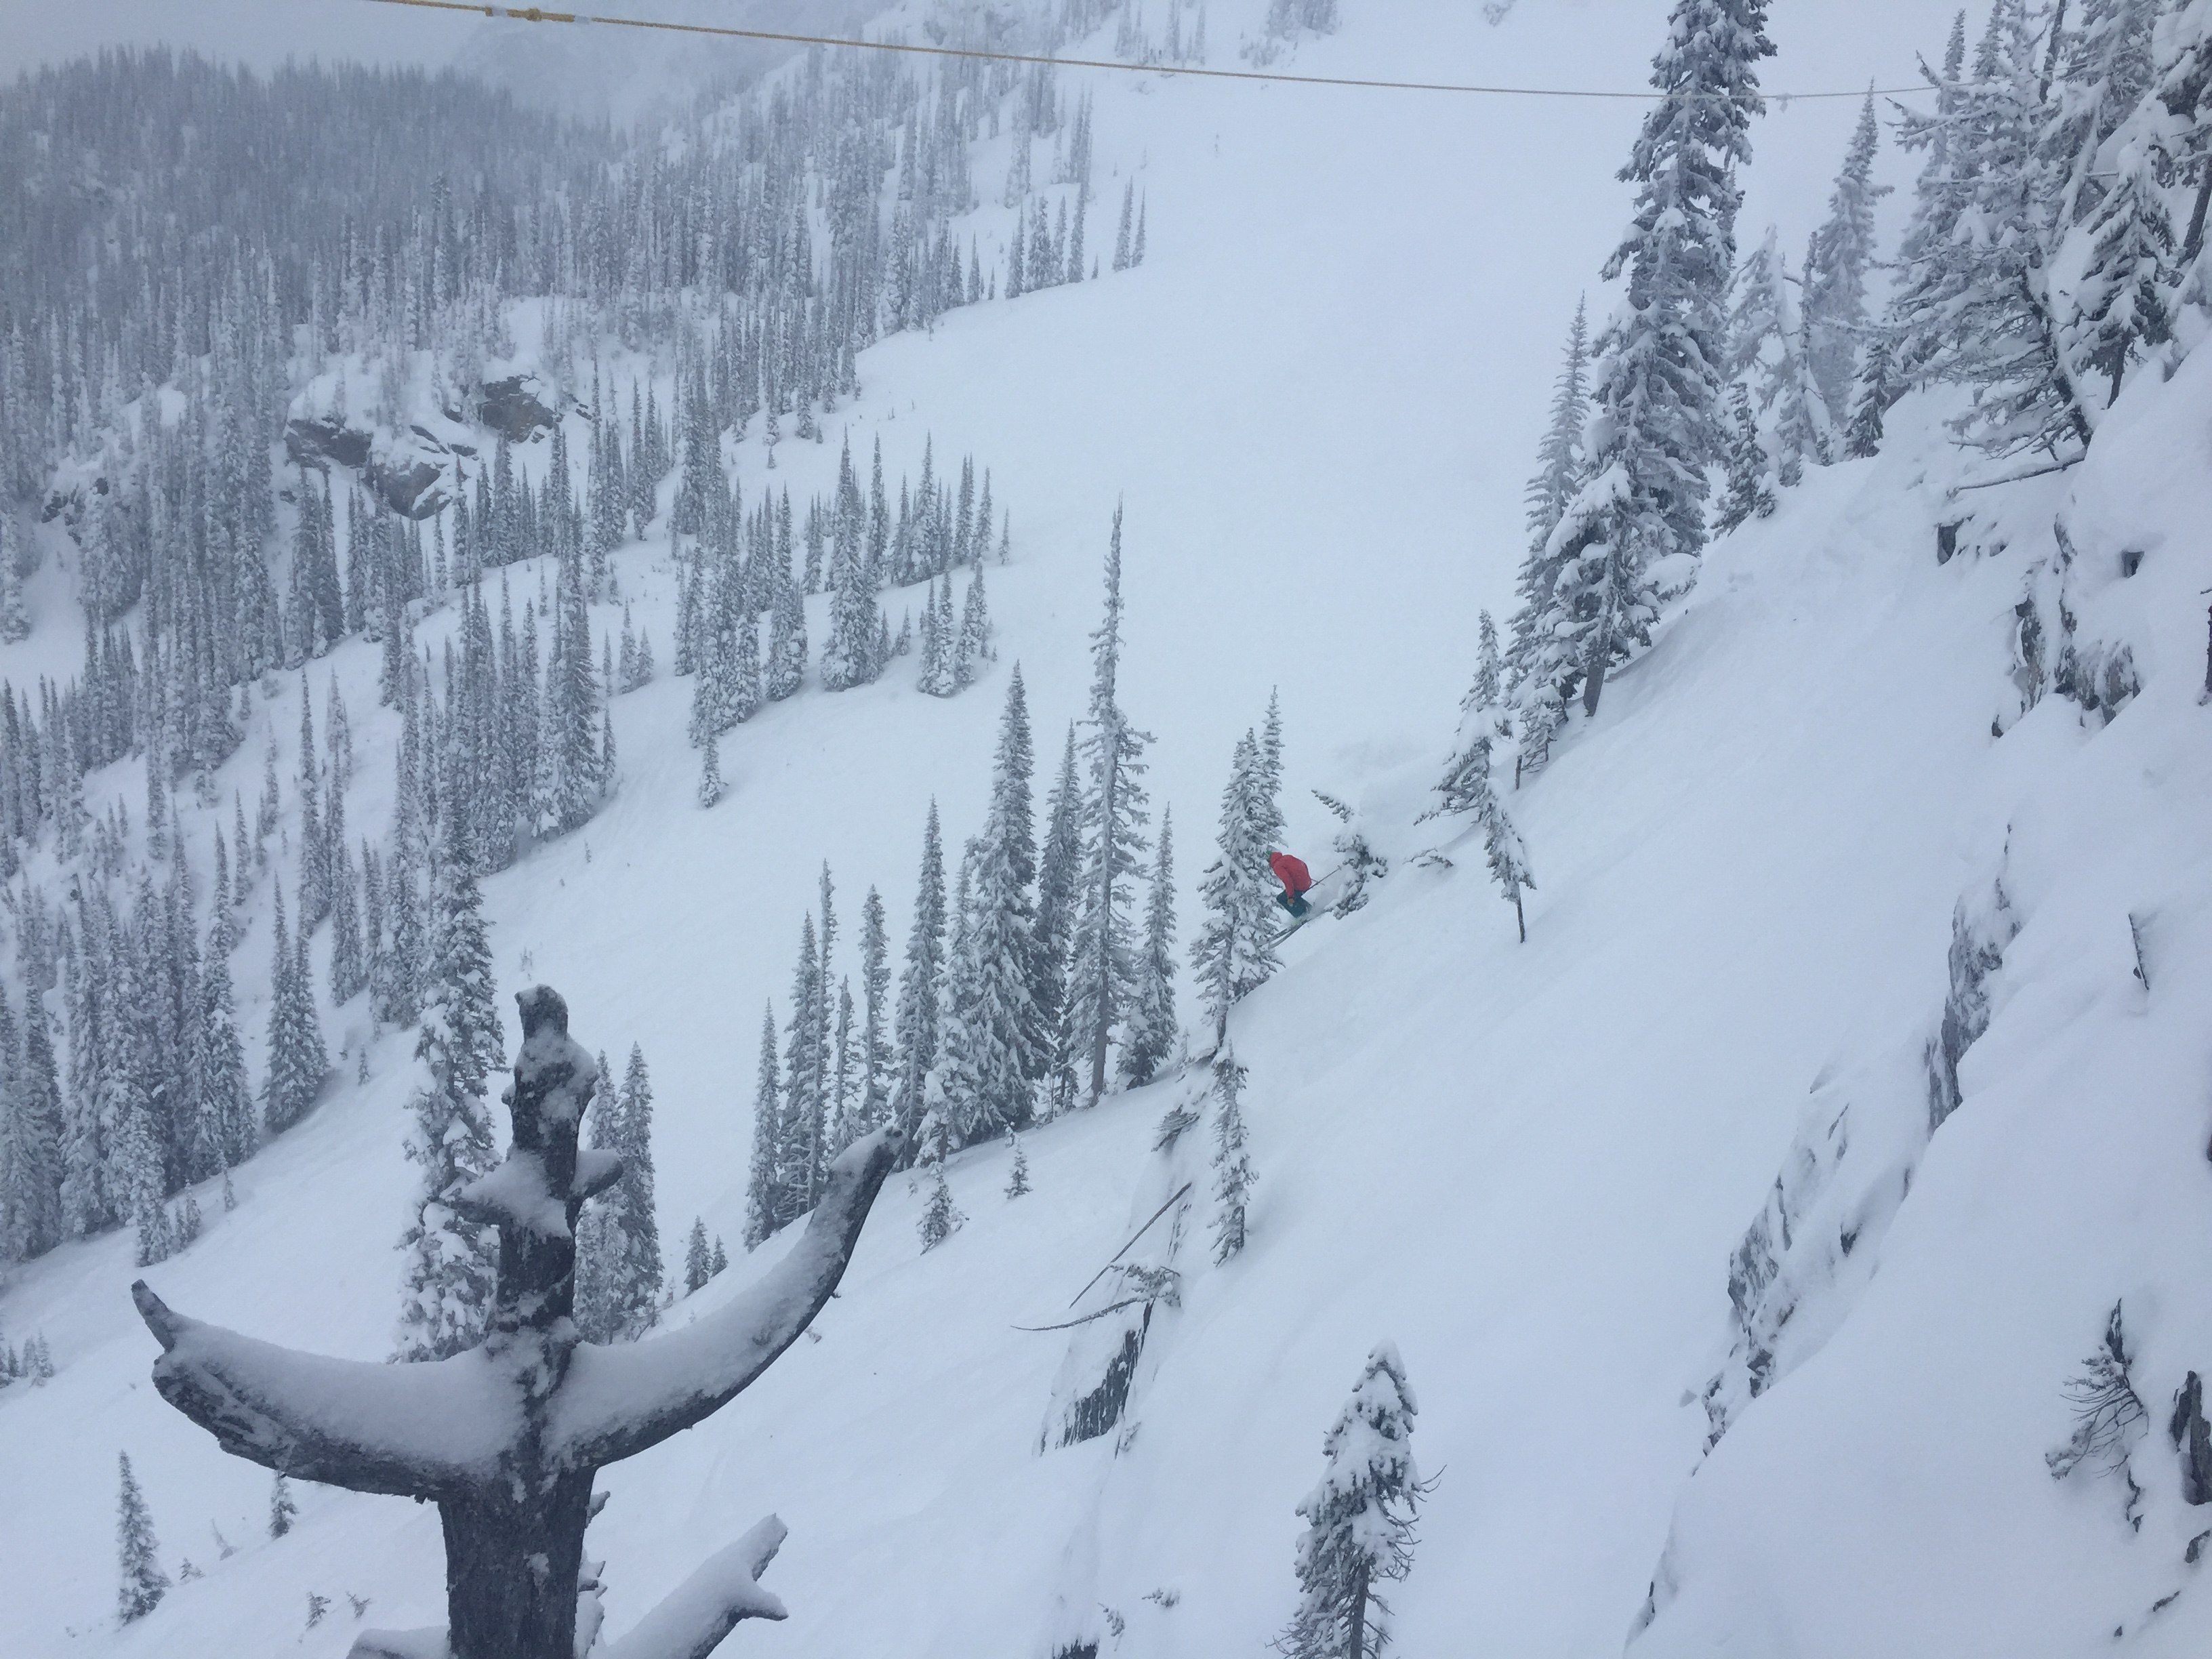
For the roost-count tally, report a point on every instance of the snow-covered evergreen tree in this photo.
(15, 619)
(1102, 971)
(1750, 492)
(1509, 860)
(799, 1139)
(762, 1177)
(1769, 347)
(1234, 952)
(1267, 818)
(1935, 201)
(1972, 305)
(1359, 1520)
(941, 668)
(940, 1217)
(632, 1201)
(1059, 871)
(743, 698)
(349, 966)
(282, 1508)
(396, 981)
(872, 1091)
(298, 1061)
(32, 1216)
(1871, 397)
(597, 1259)
(1466, 790)
(1286, 19)
(450, 1258)
(1657, 382)
(915, 1023)
(1152, 1028)
(786, 670)
(137, 1177)
(1837, 263)
(992, 1036)
(1232, 1166)
(143, 1583)
(973, 648)
(1551, 490)
(698, 1260)
(711, 788)
(1017, 1173)
(848, 658)
(2104, 58)
(618, 1265)
(570, 780)
(313, 889)
(2120, 307)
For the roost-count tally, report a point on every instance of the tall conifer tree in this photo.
(1359, 1520)
(1836, 265)
(987, 1064)
(1234, 952)
(450, 1258)
(1657, 382)
(143, 1583)
(1153, 1029)
(915, 1022)
(1102, 966)
(763, 1184)
(298, 1061)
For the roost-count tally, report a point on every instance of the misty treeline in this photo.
(224, 298)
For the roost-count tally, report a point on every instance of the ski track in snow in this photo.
(1526, 1165)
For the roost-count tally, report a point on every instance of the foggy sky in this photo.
(584, 70)
(260, 33)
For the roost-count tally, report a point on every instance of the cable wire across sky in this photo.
(540, 15)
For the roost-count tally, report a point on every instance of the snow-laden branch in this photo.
(427, 1644)
(693, 1617)
(616, 1401)
(414, 1430)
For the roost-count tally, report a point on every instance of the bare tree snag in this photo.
(508, 1438)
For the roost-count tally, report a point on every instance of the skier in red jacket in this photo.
(1291, 871)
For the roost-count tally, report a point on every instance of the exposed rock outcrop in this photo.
(512, 406)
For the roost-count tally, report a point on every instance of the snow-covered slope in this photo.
(2068, 1177)
(1530, 1166)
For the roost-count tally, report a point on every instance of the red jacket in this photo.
(1292, 871)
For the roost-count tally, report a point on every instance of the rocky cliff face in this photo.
(411, 470)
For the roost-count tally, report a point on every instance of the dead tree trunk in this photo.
(494, 1541)
(508, 1438)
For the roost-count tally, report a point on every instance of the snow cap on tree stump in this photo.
(543, 1170)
